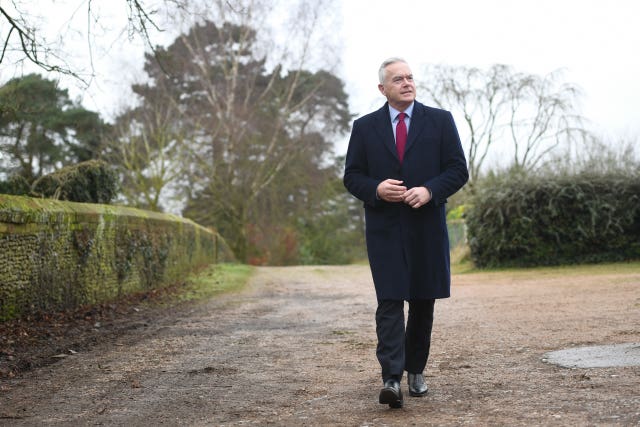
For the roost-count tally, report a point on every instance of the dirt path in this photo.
(298, 348)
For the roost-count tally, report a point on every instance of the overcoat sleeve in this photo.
(357, 178)
(453, 165)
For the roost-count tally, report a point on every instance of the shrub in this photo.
(16, 185)
(550, 220)
(89, 182)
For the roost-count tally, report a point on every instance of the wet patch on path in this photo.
(600, 356)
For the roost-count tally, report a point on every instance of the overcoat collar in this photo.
(385, 129)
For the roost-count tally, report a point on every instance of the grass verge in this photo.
(214, 280)
(629, 267)
(461, 264)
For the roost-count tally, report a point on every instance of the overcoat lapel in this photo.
(418, 122)
(384, 129)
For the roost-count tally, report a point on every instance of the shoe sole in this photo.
(389, 397)
(414, 394)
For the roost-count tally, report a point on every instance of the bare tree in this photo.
(597, 155)
(506, 111)
(147, 148)
(21, 34)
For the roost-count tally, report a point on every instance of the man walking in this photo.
(403, 161)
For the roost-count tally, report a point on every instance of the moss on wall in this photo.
(58, 255)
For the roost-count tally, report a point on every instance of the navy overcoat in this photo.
(408, 248)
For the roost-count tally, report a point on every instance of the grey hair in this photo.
(385, 64)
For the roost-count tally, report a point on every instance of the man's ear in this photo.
(381, 89)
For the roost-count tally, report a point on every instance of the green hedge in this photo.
(92, 181)
(530, 221)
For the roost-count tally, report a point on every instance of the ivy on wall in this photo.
(59, 255)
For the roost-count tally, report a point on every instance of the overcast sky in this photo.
(596, 43)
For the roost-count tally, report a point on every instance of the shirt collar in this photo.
(393, 113)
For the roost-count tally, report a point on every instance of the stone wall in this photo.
(60, 255)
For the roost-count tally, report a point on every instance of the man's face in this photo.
(398, 85)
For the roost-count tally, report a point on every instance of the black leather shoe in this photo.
(391, 394)
(417, 386)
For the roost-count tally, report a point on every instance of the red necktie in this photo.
(401, 136)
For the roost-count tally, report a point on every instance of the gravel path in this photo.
(298, 348)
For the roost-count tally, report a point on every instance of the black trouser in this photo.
(403, 349)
